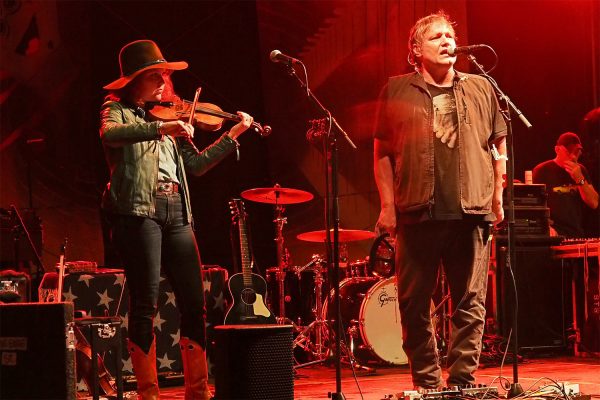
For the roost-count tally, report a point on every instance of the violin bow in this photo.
(193, 110)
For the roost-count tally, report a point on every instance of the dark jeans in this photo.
(462, 248)
(146, 243)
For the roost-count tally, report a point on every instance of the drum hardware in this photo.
(357, 269)
(319, 326)
(282, 259)
(279, 196)
(353, 333)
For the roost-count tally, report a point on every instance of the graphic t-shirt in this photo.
(446, 192)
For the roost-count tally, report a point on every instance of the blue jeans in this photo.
(461, 246)
(145, 244)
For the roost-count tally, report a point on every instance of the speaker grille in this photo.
(254, 362)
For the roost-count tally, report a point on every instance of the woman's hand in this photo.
(177, 129)
(241, 126)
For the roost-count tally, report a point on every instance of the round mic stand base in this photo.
(515, 390)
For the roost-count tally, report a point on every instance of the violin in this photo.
(83, 362)
(207, 116)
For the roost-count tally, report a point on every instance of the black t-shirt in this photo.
(446, 192)
(564, 200)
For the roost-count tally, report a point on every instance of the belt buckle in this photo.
(165, 187)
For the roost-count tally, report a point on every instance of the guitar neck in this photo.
(245, 252)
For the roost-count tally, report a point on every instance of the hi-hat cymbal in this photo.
(277, 195)
(345, 235)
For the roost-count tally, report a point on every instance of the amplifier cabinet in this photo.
(38, 351)
(542, 295)
(529, 195)
(17, 282)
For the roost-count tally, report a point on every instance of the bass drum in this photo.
(373, 304)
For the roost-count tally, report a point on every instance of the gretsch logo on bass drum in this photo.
(384, 298)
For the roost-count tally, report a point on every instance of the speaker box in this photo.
(541, 292)
(254, 362)
(38, 351)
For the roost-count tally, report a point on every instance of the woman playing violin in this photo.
(149, 203)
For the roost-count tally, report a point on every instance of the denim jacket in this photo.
(131, 147)
(405, 119)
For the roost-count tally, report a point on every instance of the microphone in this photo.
(466, 49)
(277, 56)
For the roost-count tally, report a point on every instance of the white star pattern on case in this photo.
(104, 299)
(165, 362)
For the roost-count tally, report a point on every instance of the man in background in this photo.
(568, 186)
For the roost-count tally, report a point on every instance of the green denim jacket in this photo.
(131, 148)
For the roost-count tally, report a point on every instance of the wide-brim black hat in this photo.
(139, 56)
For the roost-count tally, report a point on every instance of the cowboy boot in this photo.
(195, 370)
(144, 368)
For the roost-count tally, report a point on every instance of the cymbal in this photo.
(345, 235)
(277, 195)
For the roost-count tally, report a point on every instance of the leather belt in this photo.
(167, 187)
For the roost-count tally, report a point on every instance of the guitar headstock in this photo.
(237, 209)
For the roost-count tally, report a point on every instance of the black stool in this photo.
(105, 335)
(254, 362)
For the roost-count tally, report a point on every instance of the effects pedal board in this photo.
(455, 392)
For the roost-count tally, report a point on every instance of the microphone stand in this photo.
(515, 387)
(333, 214)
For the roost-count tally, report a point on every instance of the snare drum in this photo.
(371, 305)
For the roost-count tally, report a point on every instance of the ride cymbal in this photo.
(277, 195)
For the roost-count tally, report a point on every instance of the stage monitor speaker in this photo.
(254, 362)
(38, 351)
(541, 298)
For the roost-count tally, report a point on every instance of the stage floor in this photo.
(315, 382)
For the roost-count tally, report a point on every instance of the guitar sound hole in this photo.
(248, 296)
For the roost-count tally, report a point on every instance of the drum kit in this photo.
(299, 295)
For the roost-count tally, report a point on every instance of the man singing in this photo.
(440, 190)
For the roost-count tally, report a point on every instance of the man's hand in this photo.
(386, 222)
(497, 209)
(574, 169)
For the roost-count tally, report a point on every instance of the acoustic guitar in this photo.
(247, 289)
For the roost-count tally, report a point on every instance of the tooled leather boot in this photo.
(195, 370)
(144, 368)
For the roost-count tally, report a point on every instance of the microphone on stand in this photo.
(466, 49)
(278, 57)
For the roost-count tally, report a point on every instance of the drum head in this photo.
(380, 322)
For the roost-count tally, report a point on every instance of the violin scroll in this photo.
(263, 131)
